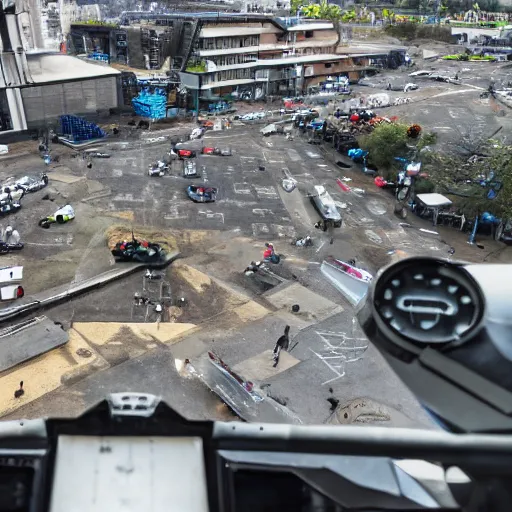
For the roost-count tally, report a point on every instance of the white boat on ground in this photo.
(350, 281)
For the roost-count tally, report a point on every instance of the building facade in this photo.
(271, 56)
(252, 55)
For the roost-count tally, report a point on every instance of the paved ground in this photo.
(217, 241)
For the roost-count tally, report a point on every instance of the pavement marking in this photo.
(127, 198)
(174, 213)
(294, 155)
(259, 228)
(262, 212)
(260, 367)
(266, 192)
(454, 114)
(376, 207)
(320, 246)
(373, 237)
(117, 173)
(226, 136)
(337, 350)
(58, 241)
(311, 154)
(241, 188)
(212, 215)
(283, 231)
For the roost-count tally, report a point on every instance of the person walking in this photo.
(281, 344)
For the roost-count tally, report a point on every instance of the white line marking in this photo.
(320, 246)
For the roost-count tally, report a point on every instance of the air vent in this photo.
(428, 301)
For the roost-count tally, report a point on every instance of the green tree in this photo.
(330, 12)
(295, 5)
(387, 141)
(311, 11)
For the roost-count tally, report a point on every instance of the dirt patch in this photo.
(43, 275)
(203, 298)
(126, 215)
(118, 232)
(196, 279)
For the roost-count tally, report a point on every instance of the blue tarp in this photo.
(78, 129)
(151, 104)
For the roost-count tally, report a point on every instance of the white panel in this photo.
(11, 274)
(149, 474)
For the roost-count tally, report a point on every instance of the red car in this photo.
(186, 153)
(208, 151)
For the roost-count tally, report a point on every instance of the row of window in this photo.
(229, 74)
(224, 43)
(231, 60)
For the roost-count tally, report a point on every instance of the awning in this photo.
(433, 200)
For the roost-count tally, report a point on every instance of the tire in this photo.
(44, 223)
(60, 219)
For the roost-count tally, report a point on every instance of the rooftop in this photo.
(57, 67)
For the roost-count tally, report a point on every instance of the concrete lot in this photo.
(217, 241)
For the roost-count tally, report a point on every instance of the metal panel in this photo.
(190, 81)
(17, 342)
(154, 474)
(48, 102)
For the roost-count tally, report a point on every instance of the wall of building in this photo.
(322, 69)
(45, 103)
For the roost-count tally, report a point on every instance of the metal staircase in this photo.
(189, 40)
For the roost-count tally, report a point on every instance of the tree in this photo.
(311, 11)
(387, 141)
(295, 5)
(461, 178)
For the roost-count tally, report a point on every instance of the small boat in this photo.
(350, 281)
(352, 271)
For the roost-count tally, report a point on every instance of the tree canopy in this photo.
(467, 173)
(387, 141)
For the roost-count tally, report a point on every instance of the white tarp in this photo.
(4, 149)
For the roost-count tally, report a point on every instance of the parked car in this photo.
(186, 153)
(208, 150)
(202, 193)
